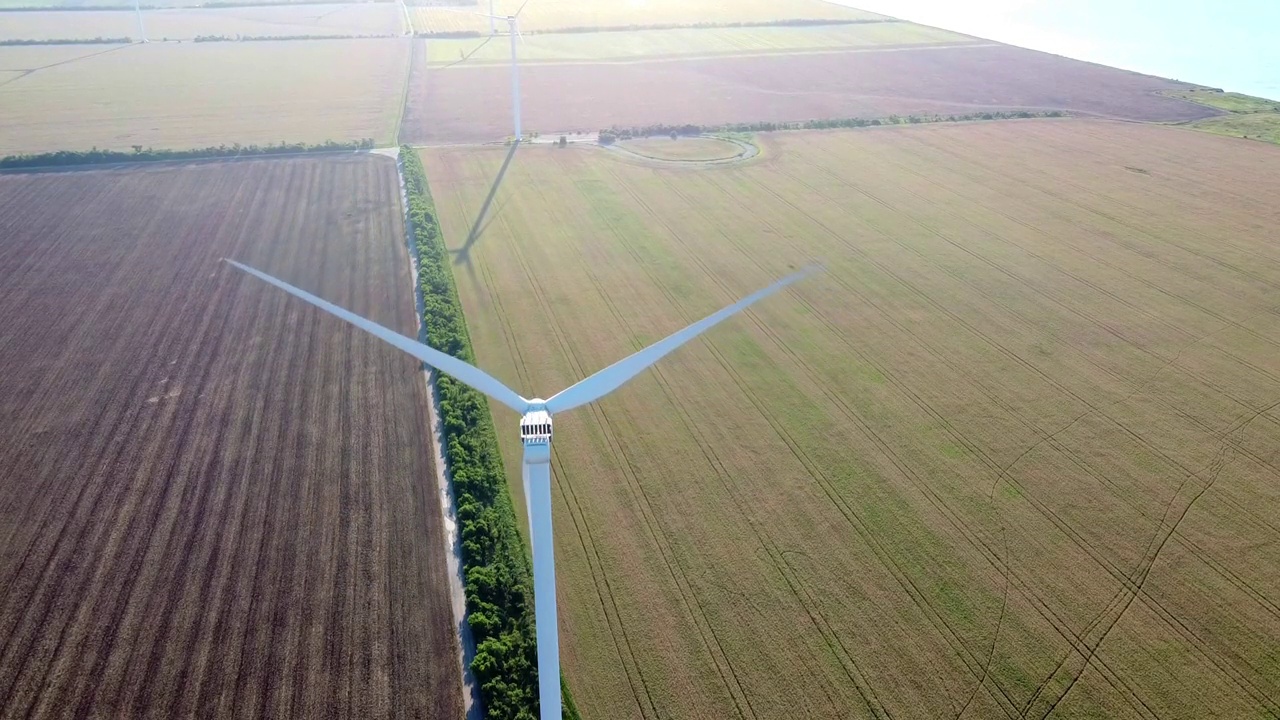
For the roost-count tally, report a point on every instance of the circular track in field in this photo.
(697, 151)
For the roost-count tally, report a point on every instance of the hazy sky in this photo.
(1232, 44)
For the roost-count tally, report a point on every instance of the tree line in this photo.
(62, 158)
(71, 41)
(577, 29)
(262, 38)
(614, 134)
(498, 581)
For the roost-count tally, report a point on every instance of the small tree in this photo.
(675, 135)
(564, 141)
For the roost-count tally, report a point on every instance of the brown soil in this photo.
(472, 104)
(215, 501)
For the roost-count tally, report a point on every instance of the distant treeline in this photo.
(663, 26)
(273, 38)
(499, 588)
(63, 158)
(213, 4)
(626, 133)
(70, 41)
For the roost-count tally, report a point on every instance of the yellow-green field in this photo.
(1013, 455)
(23, 59)
(558, 14)
(1251, 126)
(184, 24)
(685, 149)
(1253, 118)
(693, 42)
(169, 95)
(1229, 101)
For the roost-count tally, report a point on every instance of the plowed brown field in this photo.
(214, 500)
(468, 104)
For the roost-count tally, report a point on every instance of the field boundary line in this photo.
(645, 59)
(201, 160)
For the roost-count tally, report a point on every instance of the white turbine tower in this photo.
(535, 432)
(513, 29)
(142, 29)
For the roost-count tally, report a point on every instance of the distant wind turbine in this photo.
(142, 29)
(513, 29)
(535, 433)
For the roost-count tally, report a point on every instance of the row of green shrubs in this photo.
(616, 133)
(268, 38)
(69, 41)
(498, 586)
(62, 158)
(579, 29)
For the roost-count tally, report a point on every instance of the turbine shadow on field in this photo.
(463, 254)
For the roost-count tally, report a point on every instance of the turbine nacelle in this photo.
(535, 424)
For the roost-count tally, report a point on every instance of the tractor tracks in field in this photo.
(720, 658)
(827, 483)
(1064, 200)
(903, 467)
(991, 555)
(1171, 620)
(1127, 595)
(28, 72)
(1043, 141)
(830, 636)
(1030, 323)
(1158, 541)
(1152, 257)
(1169, 363)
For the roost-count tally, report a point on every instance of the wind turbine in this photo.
(142, 30)
(513, 29)
(535, 433)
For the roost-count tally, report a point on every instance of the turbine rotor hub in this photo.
(536, 424)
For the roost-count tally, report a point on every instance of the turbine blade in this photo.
(537, 463)
(522, 6)
(614, 376)
(464, 372)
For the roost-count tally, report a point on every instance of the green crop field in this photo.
(1252, 126)
(1249, 117)
(692, 42)
(1229, 101)
(685, 149)
(169, 95)
(184, 24)
(559, 14)
(1014, 454)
